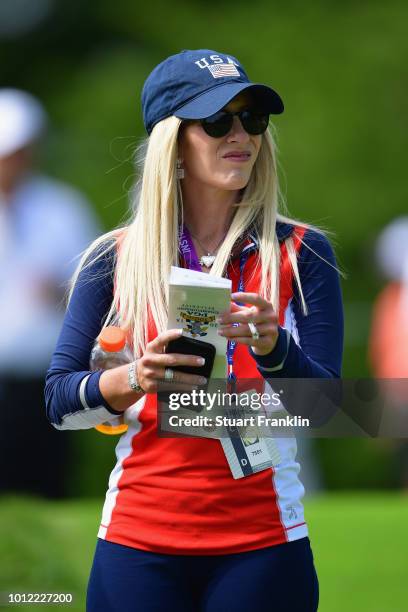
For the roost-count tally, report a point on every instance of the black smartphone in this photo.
(191, 346)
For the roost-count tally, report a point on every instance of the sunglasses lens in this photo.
(217, 125)
(254, 123)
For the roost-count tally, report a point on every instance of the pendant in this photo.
(207, 260)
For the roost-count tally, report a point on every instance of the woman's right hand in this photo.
(151, 366)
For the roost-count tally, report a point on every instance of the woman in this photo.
(177, 531)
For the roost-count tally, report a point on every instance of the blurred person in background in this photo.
(44, 225)
(388, 344)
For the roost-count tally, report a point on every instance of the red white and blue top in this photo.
(177, 495)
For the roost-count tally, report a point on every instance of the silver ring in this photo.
(168, 374)
(254, 330)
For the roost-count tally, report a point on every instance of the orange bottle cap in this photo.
(112, 339)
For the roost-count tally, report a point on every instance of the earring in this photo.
(179, 169)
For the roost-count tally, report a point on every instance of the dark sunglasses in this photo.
(219, 124)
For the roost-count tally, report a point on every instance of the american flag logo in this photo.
(223, 70)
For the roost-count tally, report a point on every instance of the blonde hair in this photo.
(149, 243)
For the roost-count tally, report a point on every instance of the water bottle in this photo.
(110, 351)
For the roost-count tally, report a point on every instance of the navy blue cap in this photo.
(196, 84)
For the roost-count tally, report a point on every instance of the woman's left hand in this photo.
(261, 313)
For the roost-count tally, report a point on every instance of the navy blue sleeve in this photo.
(88, 307)
(319, 351)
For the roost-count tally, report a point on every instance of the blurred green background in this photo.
(340, 68)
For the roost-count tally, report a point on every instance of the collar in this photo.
(284, 230)
(250, 241)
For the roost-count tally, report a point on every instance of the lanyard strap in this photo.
(231, 346)
(190, 256)
(188, 251)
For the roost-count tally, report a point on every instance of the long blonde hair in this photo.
(149, 242)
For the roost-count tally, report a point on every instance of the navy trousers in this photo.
(279, 578)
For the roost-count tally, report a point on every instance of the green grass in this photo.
(359, 543)
(360, 548)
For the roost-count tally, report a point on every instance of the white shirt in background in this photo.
(43, 230)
